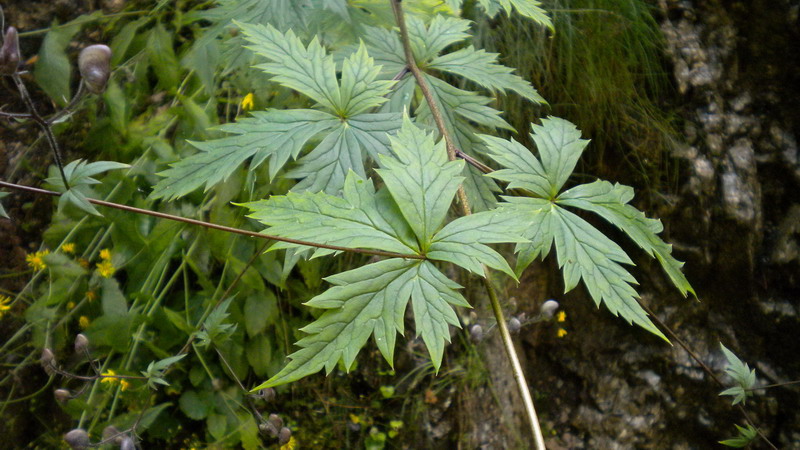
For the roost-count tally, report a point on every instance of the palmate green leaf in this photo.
(345, 129)
(79, 175)
(746, 436)
(421, 179)
(405, 217)
(361, 219)
(741, 374)
(583, 253)
(273, 134)
(610, 201)
(481, 68)
(371, 300)
(529, 8)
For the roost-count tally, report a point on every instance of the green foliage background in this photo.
(173, 113)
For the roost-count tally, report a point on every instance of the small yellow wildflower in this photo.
(4, 304)
(105, 254)
(91, 296)
(106, 269)
(561, 332)
(124, 383)
(36, 260)
(68, 248)
(70, 305)
(247, 102)
(562, 316)
(354, 418)
(83, 322)
(291, 445)
(109, 377)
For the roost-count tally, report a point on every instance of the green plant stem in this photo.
(215, 226)
(453, 153)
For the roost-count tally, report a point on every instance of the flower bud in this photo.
(81, 343)
(48, 361)
(62, 395)
(548, 309)
(127, 444)
(476, 333)
(94, 64)
(514, 325)
(268, 429)
(284, 436)
(9, 52)
(77, 439)
(267, 394)
(276, 421)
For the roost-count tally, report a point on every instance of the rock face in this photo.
(736, 222)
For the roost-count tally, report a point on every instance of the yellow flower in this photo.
(354, 418)
(247, 102)
(561, 332)
(124, 383)
(70, 305)
(83, 322)
(562, 316)
(91, 296)
(4, 304)
(105, 254)
(106, 269)
(291, 445)
(36, 260)
(109, 377)
(68, 248)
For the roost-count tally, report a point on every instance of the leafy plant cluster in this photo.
(341, 154)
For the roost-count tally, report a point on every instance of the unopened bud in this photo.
(48, 361)
(267, 394)
(77, 439)
(514, 325)
(276, 421)
(476, 333)
(94, 64)
(284, 436)
(9, 52)
(548, 309)
(268, 429)
(112, 432)
(127, 444)
(81, 343)
(62, 395)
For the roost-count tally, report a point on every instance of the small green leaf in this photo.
(746, 436)
(196, 406)
(259, 311)
(53, 69)
(162, 57)
(3, 212)
(113, 300)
